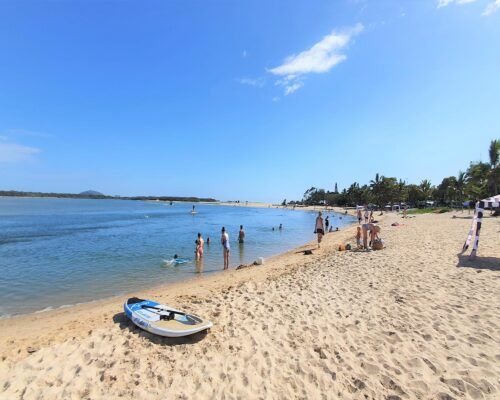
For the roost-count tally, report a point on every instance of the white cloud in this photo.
(320, 58)
(491, 8)
(444, 3)
(257, 82)
(293, 88)
(12, 152)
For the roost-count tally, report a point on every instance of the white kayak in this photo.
(163, 320)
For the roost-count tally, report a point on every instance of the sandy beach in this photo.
(413, 321)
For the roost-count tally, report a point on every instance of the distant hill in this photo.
(90, 193)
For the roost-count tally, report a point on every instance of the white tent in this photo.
(490, 202)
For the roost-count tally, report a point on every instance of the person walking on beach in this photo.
(319, 229)
(225, 247)
(241, 235)
(371, 216)
(367, 215)
(327, 223)
(199, 247)
(359, 216)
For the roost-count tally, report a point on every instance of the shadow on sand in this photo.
(125, 324)
(491, 263)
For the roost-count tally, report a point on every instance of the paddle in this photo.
(170, 315)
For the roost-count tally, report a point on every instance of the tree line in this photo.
(15, 193)
(478, 181)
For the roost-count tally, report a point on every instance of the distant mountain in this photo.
(90, 193)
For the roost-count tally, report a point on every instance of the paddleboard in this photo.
(163, 320)
(194, 212)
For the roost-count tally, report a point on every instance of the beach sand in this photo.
(413, 321)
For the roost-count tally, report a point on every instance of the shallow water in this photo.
(55, 252)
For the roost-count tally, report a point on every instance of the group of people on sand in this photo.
(366, 234)
(368, 215)
(226, 247)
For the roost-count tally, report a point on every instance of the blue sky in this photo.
(252, 100)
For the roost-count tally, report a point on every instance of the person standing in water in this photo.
(319, 229)
(281, 227)
(327, 223)
(199, 247)
(225, 247)
(241, 235)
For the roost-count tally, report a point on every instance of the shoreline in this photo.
(187, 280)
(213, 278)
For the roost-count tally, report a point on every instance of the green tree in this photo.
(427, 189)
(477, 182)
(494, 173)
(446, 192)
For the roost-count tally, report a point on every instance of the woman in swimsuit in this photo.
(319, 229)
(225, 245)
(199, 247)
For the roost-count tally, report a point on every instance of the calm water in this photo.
(55, 252)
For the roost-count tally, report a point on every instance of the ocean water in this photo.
(56, 252)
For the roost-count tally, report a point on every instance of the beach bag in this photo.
(377, 245)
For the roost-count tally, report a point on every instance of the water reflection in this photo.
(241, 252)
(199, 265)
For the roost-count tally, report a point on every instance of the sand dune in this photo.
(413, 321)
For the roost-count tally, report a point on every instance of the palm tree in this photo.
(460, 185)
(494, 152)
(426, 188)
(494, 173)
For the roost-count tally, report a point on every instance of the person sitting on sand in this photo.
(371, 229)
(319, 229)
(241, 235)
(199, 247)
(225, 245)
(358, 237)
